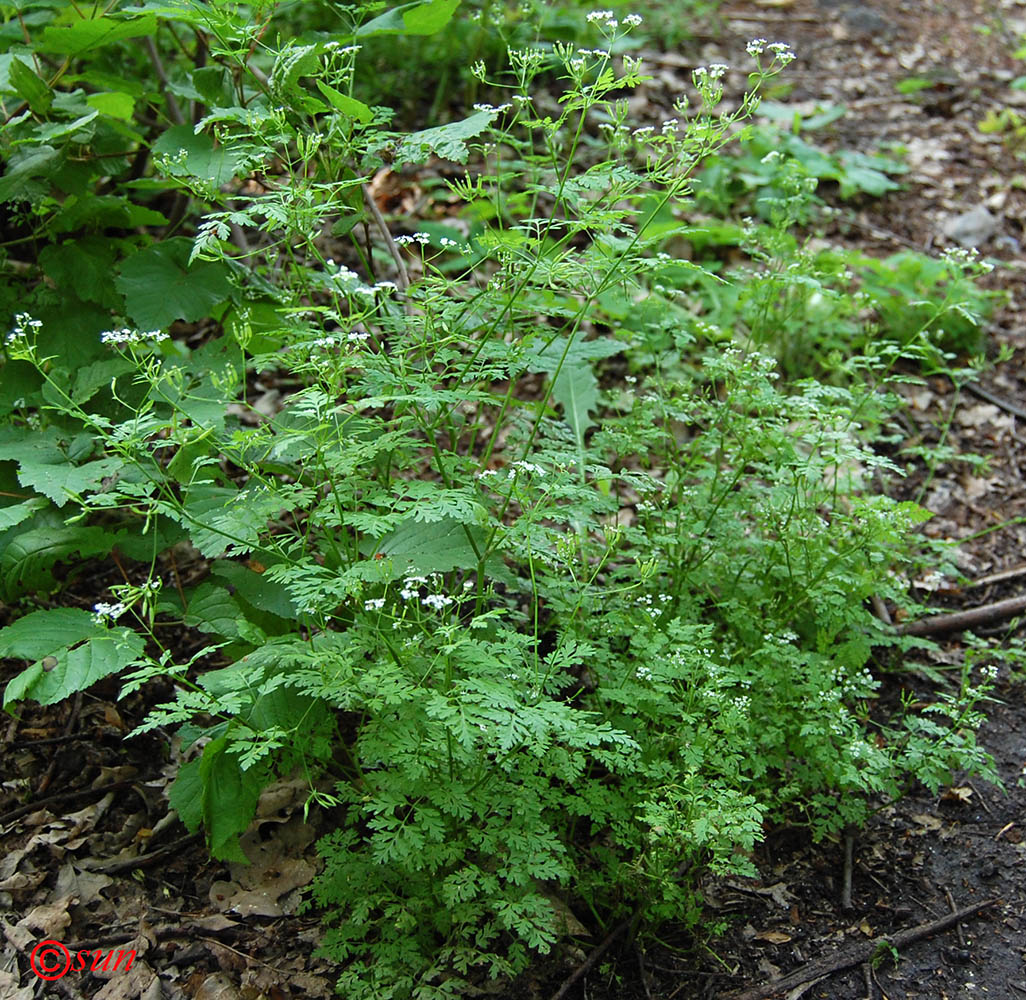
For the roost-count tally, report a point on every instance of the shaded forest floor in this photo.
(95, 862)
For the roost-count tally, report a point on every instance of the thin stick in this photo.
(585, 967)
(1002, 404)
(379, 220)
(958, 927)
(965, 619)
(849, 851)
(862, 953)
(1012, 573)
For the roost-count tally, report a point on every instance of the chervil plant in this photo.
(542, 636)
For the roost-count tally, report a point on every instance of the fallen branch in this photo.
(965, 619)
(861, 953)
(1001, 404)
(589, 962)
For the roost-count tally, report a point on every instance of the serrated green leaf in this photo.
(113, 105)
(213, 609)
(448, 142)
(16, 513)
(160, 287)
(216, 164)
(229, 798)
(88, 34)
(44, 632)
(59, 480)
(411, 19)
(77, 669)
(420, 548)
(29, 555)
(257, 589)
(347, 105)
(29, 87)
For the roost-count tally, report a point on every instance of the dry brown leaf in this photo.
(773, 937)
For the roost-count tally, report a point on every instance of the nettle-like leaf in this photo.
(411, 19)
(29, 551)
(215, 164)
(222, 796)
(71, 652)
(448, 142)
(160, 286)
(575, 387)
(80, 37)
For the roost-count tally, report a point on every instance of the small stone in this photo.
(972, 228)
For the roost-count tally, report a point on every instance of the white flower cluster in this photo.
(779, 50)
(968, 260)
(126, 336)
(411, 591)
(648, 605)
(529, 467)
(494, 109)
(605, 20)
(404, 241)
(23, 322)
(103, 611)
(374, 604)
(599, 53)
(343, 50)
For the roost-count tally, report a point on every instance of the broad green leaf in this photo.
(218, 165)
(24, 166)
(61, 481)
(213, 609)
(437, 547)
(256, 589)
(29, 87)
(86, 266)
(429, 18)
(28, 556)
(44, 632)
(58, 130)
(114, 105)
(83, 36)
(159, 285)
(411, 19)
(77, 669)
(186, 795)
(15, 514)
(230, 797)
(347, 105)
(446, 141)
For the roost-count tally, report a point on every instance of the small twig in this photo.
(880, 609)
(379, 220)
(586, 966)
(965, 619)
(1012, 573)
(979, 798)
(867, 978)
(174, 111)
(849, 851)
(862, 952)
(641, 969)
(50, 800)
(116, 865)
(69, 727)
(883, 992)
(958, 927)
(1003, 404)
